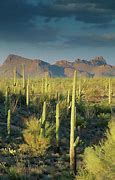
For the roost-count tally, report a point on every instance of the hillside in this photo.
(63, 68)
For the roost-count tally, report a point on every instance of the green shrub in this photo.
(99, 161)
(34, 144)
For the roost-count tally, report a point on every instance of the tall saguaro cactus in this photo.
(68, 96)
(27, 93)
(6, 101)
(43, 120)
(110, 91)
(23, 75)
(72, 128)
(57, 128)
(8, 122)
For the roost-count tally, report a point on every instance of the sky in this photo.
(58, 29)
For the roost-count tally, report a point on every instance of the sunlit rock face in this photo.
(61, 68)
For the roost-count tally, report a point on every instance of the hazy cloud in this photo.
(88, 11)
(92, 40)
(19, 19)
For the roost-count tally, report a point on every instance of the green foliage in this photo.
(91, 116)
(34, 143)
(99, 161)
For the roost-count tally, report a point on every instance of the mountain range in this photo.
(63, 68)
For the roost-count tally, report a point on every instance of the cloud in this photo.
(12, 11)
(20, 19)
(88, 11)
(18, 23)
(29, 34)
(92, 40)
(100, 26)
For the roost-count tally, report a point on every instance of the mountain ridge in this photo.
(61, 68)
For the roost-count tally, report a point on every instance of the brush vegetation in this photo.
(57, 128)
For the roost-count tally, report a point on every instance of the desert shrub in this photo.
(34, 143)
(103, 108)
(99, 161)
(103, 119)
(17, 173)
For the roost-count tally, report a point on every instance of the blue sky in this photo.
(57, 29)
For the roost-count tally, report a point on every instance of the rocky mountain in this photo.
(33, 68)
(63, 68)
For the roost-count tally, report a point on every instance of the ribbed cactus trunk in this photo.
(72, 128)
(8, 122)
(68, 96)
(43, 120)
(58, 128)
(110, 91)
(6, 102)
(23, 76)
(27, 93)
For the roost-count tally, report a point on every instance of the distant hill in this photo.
(62, 68)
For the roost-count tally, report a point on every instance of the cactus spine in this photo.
(8, 122)
(57, 128)
(72, 128)
(43, 120)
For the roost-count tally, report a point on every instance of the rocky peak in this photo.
(63, 63)
(97, 61)
(78, 61)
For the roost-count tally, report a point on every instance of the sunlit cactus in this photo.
(8, 122)
(58, 127)
(43, 120)
(23, 76)
(110, 91)
(72, 127)
(27, 93)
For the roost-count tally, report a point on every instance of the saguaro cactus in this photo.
(27, 93)
(110, 91)
(68, 96)
(43, 120)
(72, 128)
(23, 76)
(6, 101)
(8, 122)
(57, 128)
